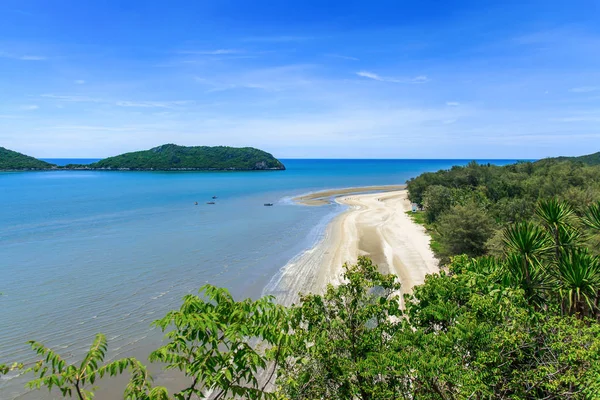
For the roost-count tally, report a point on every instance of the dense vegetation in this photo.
(466, 208)
(11, 160)
(173, 157)
(523, 325)
(163, 158)
(590, 159)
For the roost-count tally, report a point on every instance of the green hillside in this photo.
(12, 160)
(172, 157)
(590, 159)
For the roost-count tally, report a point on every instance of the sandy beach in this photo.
(375, 225)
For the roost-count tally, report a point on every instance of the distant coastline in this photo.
(167, 157)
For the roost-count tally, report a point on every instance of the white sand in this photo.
(377, 226)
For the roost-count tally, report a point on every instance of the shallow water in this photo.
(83, 252)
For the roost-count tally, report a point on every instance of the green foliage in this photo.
(212, 343)
(339, 337)
(436, 200)
(590, 159)
(11, 160)
(474, 336)
(52, 371)
(173, 157)
(464, 229)
(508, 194)
(592, 217)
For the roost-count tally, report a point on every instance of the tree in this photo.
(53, 371)
(578, 281)
(526, 245)
(436, 200)
(464, 229)
(592, 216)
(217, 343)
(340, 337)
(556, 217)
(220, 344)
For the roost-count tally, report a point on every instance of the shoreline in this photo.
(374, 225)
(324, 197)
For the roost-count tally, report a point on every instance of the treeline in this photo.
(171, 156)
(466, 208)
(523, 325)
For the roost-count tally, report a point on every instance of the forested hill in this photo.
(172, 157)
(12, 160)
(466, 208)
(590, 159)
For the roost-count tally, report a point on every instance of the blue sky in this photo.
(309, 79)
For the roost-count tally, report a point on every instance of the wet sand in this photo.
(326, 196)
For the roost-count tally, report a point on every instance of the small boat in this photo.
(196, 203)
(214, 197)
(211, 202)
(268, 204)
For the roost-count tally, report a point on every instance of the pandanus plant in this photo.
(592, 220)
(557, 216)
(592, 216)
(527, 244)
(578, 281)
(547, 259)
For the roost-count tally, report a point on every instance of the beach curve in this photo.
(374, 225)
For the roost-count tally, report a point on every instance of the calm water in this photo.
(83, 252)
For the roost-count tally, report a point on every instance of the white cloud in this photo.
(374, 76)
(26, 57)
(419, 79)
(212, 52)
(30, 107)
(277, 39)
(152, 104)
(370, 75)
(584, 89)
(72, 98)
(32, 58)
(343, 57)
(92, 128)
(588, 118)
(452, 103)
(274, 79)
(119, 103)
(79, 81)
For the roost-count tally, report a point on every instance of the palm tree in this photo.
(592, 216)
(527, 244)
(592, 220)
(578, 281)
(531, 276)
(556, 216)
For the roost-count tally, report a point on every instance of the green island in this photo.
(12, 160)
(168, 157)
(513, 313)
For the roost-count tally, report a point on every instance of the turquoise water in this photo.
(83, 252)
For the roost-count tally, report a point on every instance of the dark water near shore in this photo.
(83, 252)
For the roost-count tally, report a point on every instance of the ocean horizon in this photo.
(85, 252)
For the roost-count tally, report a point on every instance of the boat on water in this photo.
(214, 197)
(268, 204)
(211, 202)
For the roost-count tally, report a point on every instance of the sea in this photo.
(83, 252)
